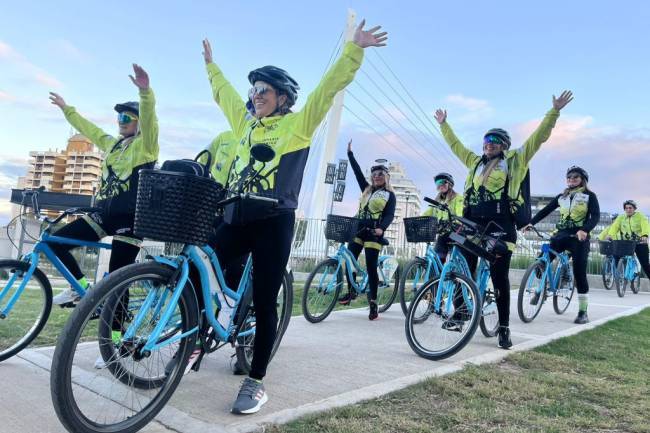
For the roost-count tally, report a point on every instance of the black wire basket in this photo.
(341, 228)
(176, 207)
(421, 228)
(605, 248)
(623, 248)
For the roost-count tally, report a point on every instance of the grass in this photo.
(596, 381)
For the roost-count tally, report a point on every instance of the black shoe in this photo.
(347, 298)
(582, 318)
(452, 325)
(373, 315)
(534, 299)
(504, 337)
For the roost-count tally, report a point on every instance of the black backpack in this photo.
(521, 209)
(191, 166)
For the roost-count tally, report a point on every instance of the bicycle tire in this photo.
(413, 318)
(489, 301)
(329, 306)
(635, 284)
(382, 307)
(621, 281)
(608, 274)
(41, 320)
(404, 299)
(61, 383)
(244, 349)
(527, 318)
(557, 307)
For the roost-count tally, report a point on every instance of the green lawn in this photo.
(360, 302)
(596, 381)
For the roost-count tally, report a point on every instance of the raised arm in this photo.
(543, 131)
(466, 156)
(148, 121)
(358, 173)
(94, 133)
(224, 94)
(336, 79)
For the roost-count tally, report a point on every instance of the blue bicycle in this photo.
(541, 280)
(628, 270)
(177, 312)
(609, 264)
(445, 312)
(324, 283)
(420, 269)
(25, 290)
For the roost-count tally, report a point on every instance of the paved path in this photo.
(340, 361)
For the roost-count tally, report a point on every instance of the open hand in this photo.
(57, 100)
(441, 116)
(350, 146)
(207, 51)
(141, 79)
(369, 38)
(563, 100)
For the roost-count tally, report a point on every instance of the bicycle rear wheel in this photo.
(411, 281)
(321, 290)
(563, 295)
(387, 290)
(608, 273)
(437, 334)
(489, 315)
(635, 284)
(30, 312)
(108, 400)
(531, 293)
(621, 281)
(246, 343)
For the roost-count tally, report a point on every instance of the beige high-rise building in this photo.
(76, 170)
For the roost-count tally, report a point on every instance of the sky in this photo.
(490, 64)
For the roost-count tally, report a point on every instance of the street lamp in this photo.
(406, 215)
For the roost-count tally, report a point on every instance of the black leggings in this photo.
(269, 242)
(372, 261)
(499, 273)
(642, 255)
(122, 253)
(579, 254)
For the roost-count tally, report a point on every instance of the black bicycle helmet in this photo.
(279, 79)
(444, 176)
(631, 203)
(129, 107)
(581, 171)
(502, 134)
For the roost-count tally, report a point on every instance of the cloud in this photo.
(67, 49)
(37, 74)
(6, 97)
(474, 110)
(615, 157)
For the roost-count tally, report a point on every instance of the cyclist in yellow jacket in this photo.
(135, 148)
(268, 235)
(633, 225)
(455, 202)
(492, 189)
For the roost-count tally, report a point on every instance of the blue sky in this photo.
(489, 63)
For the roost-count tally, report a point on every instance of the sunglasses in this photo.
(125, 118)
(258, 90)
(573, 176)
(378, 174)
(440, 182)
(492, 139)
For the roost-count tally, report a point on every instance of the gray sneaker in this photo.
(67, 297)
(251, 397)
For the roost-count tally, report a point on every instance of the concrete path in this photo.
(342, 360)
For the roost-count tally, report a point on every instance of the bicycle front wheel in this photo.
(608, 274)
(411, 281)
(108, 400)
(321, 290)
(563, 295)
(387, 290)
(621, 281)
(246, 342)
(489, 315)
(531, 293)
(30, 312)
(437, 331)
(635, 284)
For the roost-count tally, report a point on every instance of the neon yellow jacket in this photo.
(516, 161)
(633, 227)
(607, 233)
(125, 157)
(455, 206)
(223, 149)
(289, 135)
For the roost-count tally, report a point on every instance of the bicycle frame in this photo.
(630, 268)
(550, 274)
(33, 259)
(191, 254)
(344, 255)
(456, 263)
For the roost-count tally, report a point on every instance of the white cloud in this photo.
(473, 110)
(37, 74)
(67, 49)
